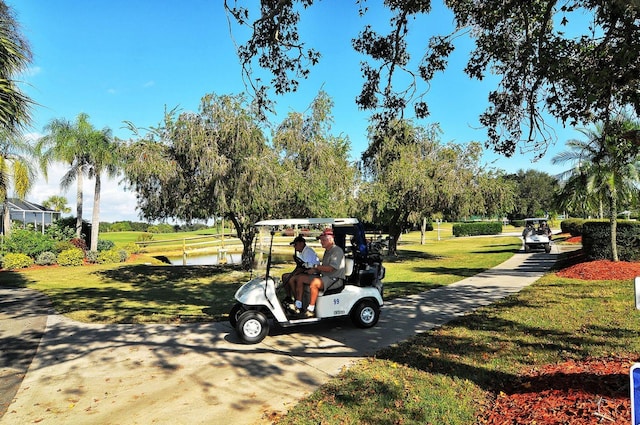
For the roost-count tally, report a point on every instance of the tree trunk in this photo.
(79, 203)
(6, 217)
(395, 231)
(613, 220)
(246, 233)
(423, 230)
(95, 219)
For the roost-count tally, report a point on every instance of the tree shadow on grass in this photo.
(165, 294)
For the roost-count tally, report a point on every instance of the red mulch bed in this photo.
(591, 391)
(602, 270)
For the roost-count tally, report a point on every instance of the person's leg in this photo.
(315, 286)
(298, 288)
(286, 280)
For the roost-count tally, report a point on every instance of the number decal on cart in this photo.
(336, 301)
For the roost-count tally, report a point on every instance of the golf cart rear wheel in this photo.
(235, 313)
(365, 314)
(547, 248)
(252, 326)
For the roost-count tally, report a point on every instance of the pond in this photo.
(229, 258)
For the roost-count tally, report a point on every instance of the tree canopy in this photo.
(577, 61)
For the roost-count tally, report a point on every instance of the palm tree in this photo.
(102, 157)
(607, 162)
(75, 144)
(16, 170)
(15, 56)
(57, 203)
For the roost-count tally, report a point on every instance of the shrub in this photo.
(104, 245)
(110, 256)
(517, 223)
(71, 257)
(81, 244)
(145, 237)
(477, 228)
(572, 226)
(28, 242)
(124, 255)
(62, 246)
(91, 257)
(13, 261)
(596, 240)
(132, 248)
(61, 231)
(46, 258)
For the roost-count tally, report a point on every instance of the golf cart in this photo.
(536, 234)
(262, 299)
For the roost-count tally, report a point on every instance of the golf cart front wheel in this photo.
(252, 326)
(235, 313)
(365, 314)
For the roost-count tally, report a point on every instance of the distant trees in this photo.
(409, 174)
(535, 193)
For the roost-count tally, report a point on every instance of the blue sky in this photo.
(123, 60)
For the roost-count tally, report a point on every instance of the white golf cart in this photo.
(536, 234)
(262, 299)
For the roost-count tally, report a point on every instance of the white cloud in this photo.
(149, 84)
(32, 71)
(115, 203)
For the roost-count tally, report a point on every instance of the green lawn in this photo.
(448, 375)
(146, 291)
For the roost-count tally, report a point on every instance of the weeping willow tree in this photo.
(206, 164)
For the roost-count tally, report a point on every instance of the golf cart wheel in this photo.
(235, 313)
(252, 326)
(365, 314)
(547, 248)
(527, 248)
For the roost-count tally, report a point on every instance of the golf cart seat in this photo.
(348, 267)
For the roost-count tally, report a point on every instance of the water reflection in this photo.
(228, 258)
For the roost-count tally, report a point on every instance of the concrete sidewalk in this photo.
(201, 373)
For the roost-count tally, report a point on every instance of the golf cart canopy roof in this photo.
(307, 221)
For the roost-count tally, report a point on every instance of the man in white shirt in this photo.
(306, 258)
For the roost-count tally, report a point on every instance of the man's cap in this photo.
(297, 239)
(326, 232)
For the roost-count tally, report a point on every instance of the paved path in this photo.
(201, 373)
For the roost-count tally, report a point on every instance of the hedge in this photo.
(572, 226)
(596, 240)
(476, 228)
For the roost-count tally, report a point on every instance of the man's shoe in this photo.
(292, 308)
(309, 314)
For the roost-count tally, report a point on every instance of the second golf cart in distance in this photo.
(261, 300)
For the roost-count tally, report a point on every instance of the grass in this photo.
(147, 292)
(447, 375)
